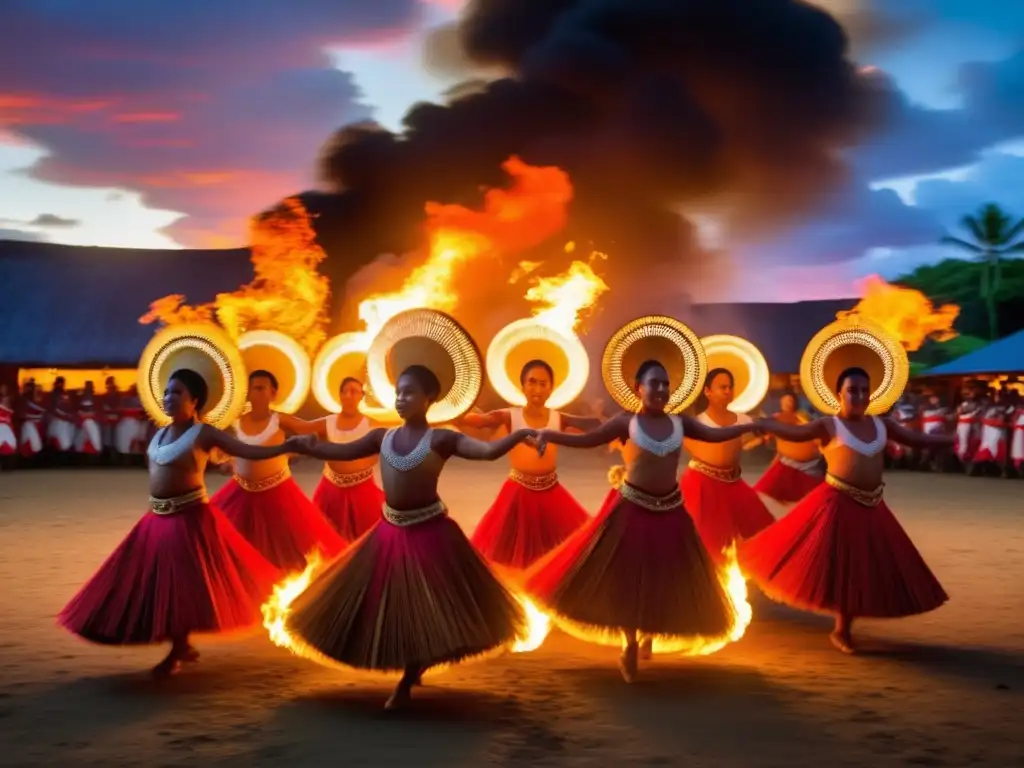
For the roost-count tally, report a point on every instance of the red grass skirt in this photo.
(409, 595)
(831, 554)
(786, 484)
(723, 512)
(280, 522)
(522, 525)
(630, 569)
(352, 510)
(173, 575)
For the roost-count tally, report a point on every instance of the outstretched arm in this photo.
(489, 420)
(367, 445)
(705, 434)
(466, 447)
(794, 433)
(213, 439)
(616, 428)
(299, 426)
(916, 439)
(580, 423)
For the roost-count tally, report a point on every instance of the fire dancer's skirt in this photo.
(351, 503)
(531, 516)
(183, 568)
(275, 516)
(637, 565)
(724, 508)
(412, 591)
(788, 481)
(841, 550)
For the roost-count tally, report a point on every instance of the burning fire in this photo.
(906, 313)
(288, 294)
(538, 625)
(561, 300)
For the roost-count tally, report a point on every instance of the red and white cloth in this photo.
(8, 440)
(30, 439)
(1017, 441)
(88, 439)
(968, 429)
(992, 445)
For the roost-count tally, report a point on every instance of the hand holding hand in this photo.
(302, 444)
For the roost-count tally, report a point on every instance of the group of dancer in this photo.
(405, 590)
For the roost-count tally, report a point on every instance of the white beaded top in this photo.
(660, 448)
(338, 435)
(412, 459)
(268, 432)
(174, 450)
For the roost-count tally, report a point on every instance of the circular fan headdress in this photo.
(524, 340)
(747, 365)
(282, 356)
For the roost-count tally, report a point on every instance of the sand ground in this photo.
(945, 689)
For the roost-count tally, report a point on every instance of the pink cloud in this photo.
(214, 110)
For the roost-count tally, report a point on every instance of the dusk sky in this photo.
(167, 124)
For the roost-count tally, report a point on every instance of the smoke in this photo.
(654, 108)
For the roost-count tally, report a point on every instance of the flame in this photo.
(287, 294)
(905, 312)
(561, 300)
(278, 606)
(538, 625)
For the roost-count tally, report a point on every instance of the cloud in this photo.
(20, 234)
(214, 110)
(53, 221)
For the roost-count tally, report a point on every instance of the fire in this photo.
(288, 293)
(276, 609)
(538, 625)
(532, 209)
(906, 313)
(561, 300)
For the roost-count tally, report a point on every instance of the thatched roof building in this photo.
(70, 306)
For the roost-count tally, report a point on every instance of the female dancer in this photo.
(60, 432)
(533, 512)
(30, 436)
(723, 506)
(263, 501)
(797, 469)
(638, 567)
(412, 593)
(347, 494)
(88, 437)
(841, 550)
(8, 441)
(183, 568)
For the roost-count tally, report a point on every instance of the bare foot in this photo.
(169, 666)
(842, 641)
(399, 698)
(628, 663)
(646, 649)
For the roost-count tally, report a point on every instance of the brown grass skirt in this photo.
(633, 569)
(401, 596)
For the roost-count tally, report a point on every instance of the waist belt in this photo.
(257, 486)
(862, 497)
(725, 474)
(176, 504)
(406, 517)
(811, 467)
(346, 480)
(533, 482)
(673, 500)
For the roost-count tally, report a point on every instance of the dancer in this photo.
(8, 441)
(935, 420)
(412, 593)
(991, 452)
(533, 512)
(88, 437)
(841, 550)
(262, 499)
(30, 436)
(183, 568)
(797, 469)
(347, 494)
(723, 506)
(132, 426)
(968, 428)
(60, 432)
(638, 570)
(1017, 441)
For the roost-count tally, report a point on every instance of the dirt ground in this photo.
(945, 689)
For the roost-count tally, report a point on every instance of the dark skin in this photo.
(412, 404)
(854, 398)
(174, 480)
(653, 389)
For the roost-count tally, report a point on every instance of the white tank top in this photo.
(273, 425)
(846, 438)
(338, 435)
(741, 418)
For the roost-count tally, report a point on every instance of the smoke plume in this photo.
(654, 108)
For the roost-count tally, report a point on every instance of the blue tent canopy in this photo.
(1003, 356)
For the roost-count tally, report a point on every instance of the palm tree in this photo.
(995, 235)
